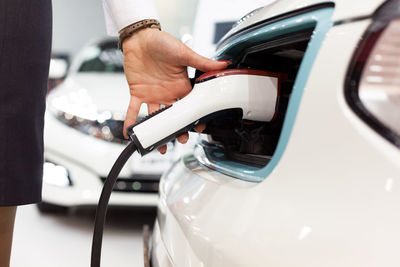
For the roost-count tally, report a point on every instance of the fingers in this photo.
(131, 113)
(152, 108)
(200, 128)
(183, 138)
(162, 149)
(202, 63)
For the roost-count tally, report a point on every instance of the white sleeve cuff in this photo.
(121, 13)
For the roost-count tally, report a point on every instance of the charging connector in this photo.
(254, 92)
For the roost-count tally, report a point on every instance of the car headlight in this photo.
(373, 83)
(109, 130)
(77, 111)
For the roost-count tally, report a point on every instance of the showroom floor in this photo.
(65, 240)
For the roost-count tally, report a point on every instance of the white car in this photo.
(320, 185)
(83, 136)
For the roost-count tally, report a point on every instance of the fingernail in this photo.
(226, 61)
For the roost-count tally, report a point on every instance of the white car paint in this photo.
(332, 199)
(344, 10)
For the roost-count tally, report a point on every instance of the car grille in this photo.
(139, 183)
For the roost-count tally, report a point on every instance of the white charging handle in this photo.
(254, 92)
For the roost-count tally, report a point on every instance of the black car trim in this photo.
(355, 19)
(279, 41)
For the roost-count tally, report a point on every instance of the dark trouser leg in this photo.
(25, 47)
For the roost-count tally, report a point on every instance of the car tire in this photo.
(45, 207)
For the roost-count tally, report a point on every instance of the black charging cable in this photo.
(101, 210)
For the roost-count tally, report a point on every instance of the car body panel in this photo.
(86, 190)
(344, 10)
(159, 255)
(331, 200)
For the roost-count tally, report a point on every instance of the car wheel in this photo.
(45, 207)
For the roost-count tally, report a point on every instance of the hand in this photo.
(155, 65)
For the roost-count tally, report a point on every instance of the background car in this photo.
(319, 185)
(83, 136)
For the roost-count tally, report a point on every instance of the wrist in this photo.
(135, 28)
(139, 38)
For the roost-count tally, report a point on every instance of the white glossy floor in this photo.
(65, 240)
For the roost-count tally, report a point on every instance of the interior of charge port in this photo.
(255, 142)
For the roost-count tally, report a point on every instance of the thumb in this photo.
(204, 64)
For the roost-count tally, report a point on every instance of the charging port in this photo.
(253, 142)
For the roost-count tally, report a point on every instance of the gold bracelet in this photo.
(128, 31)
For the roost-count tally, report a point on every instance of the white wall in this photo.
(177, 16)
(75, 22)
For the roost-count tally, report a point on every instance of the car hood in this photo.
(343, 10)
(94, 92)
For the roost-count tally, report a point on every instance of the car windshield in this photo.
(102, 57)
